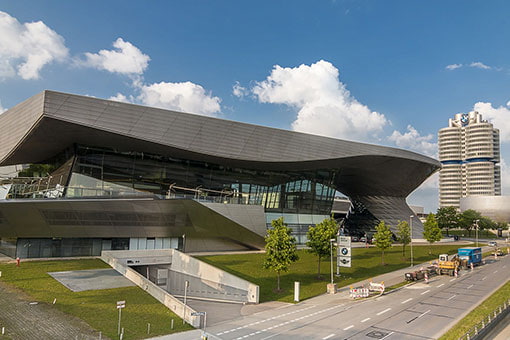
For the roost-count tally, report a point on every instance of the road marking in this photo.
(417, 317)
(495, 271)
(470, 286)
(329, 336)
(365, 320)
(451, 297)
(346, 328)
(425, 292)
(452, 280)
(483, 278)
(406, 300)
(441, 285)
(422, 314)
(390, 333)
(384, 311)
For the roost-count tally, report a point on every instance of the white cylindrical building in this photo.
(469, 154)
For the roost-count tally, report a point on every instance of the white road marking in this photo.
(422, 314)
(483, 278)
(329, 336)
(346, 328)
(470, 286)
(452, 280)
(365, 320)
(425, 292)
(384, 311)
(451, 297)
(495, 271)
(441, 285)
(406, 300)
(390, 333)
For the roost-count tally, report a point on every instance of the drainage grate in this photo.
(377, 334)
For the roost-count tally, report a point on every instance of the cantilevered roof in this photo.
(42, 126)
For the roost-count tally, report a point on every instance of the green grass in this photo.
(479, 313)
(96, 307)
(366, 264)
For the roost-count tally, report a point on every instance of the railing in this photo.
(479, 330)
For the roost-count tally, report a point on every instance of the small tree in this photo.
(319, 239)
(447, 217)
(382, 238)
(431, 231)
(280, 247)
(403, 235)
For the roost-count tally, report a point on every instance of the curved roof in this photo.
(49, 122)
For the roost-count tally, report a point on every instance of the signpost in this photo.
(343, 252)
(120, 305)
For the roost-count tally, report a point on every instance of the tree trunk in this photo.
(430, 248)
(319, 269)
(382, 257)
(278, 285)
(403, 249)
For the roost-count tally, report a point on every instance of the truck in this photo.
(448, 265)
(470, 255)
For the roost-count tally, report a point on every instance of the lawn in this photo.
(96, 307)
(366, 263)
(479, 313)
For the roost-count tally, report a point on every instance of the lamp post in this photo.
(476, 224)
(411, 225)
(331, 250)
(186, 285)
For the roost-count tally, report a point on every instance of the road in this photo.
(418, 311)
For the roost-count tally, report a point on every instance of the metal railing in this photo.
(479, 330)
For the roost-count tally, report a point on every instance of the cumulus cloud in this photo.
(412, 140)
(238, 90)
(119, 97)
(499, 116)
(324, 105)
(186, 96)
(125, 59)
(452, 67)
(478, 64)
(2, 110)
(26, 48)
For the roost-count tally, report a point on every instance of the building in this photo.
(497, 208)
(133, 177)
(469, 154)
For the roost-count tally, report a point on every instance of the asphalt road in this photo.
(418, 311)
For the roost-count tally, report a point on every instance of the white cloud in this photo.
(119, 97)
(125, 59)
(453, 66)
(478, 64)
(505, 178)
(26, 48)
(499, 116)
(186, 97)
(238, 90)
(412, 140)
(2, 110)
(324, 105)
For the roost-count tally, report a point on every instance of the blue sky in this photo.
(385, 72)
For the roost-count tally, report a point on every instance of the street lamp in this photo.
(331, 249)
(476, 223)
(411, 225)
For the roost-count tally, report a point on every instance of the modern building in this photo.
(469, 154)
(132, 177)
(497, 208)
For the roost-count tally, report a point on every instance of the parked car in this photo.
(493, 244)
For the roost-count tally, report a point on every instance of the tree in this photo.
(281, 248)
(403, 235)
(431, 231)
(447, 217)
(382, 238)
(319, 239)
(467, 219)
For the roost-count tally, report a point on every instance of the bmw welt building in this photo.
(124, 176)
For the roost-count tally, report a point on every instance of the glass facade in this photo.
(67, 247)
(104, 172)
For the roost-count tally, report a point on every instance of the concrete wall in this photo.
(161, 295)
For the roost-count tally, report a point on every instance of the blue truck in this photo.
(470, 255)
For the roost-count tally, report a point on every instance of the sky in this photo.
(382, 72)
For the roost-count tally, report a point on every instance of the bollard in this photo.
(0, 274)
(100, 336)
(172, 324)
(54, 300)
(3, 330)
(476, 330)
(296, 291)
(148, 328)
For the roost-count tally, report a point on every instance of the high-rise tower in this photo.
(469, 153)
